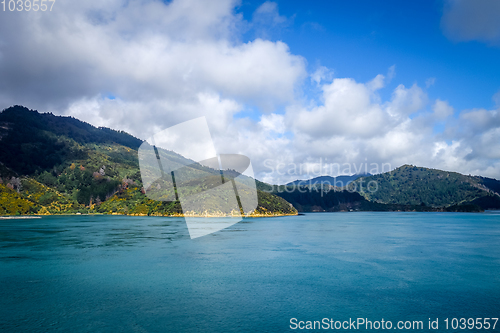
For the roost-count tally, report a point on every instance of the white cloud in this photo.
(496, 99)
(153, 56)
(273, 123)
(377, 83)
(268, 11)
(475, 144)
(430, 82)
(479, 121)
(353, 126)
(391, 73)
(267, 21)
(347, 110)
(406, 101)
(322, 73)
(472, 20)
(442, 109)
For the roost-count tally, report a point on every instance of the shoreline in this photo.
(13, 217)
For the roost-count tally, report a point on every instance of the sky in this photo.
(303, 88)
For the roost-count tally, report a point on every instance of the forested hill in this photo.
(407, 188)
(412, 185)
(52, 164)
(34, 142)
(26, 121)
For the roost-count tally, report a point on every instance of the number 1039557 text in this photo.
(27, 5)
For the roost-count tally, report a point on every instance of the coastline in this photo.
(14, 217)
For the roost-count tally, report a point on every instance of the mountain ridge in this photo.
(406, 188)
(413, 185)
(53, 164)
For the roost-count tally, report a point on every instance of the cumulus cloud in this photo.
(354, 126)
(472, 20)
(157, 58)
(355, 129)
(320, 74)
(268, 12)
(406, 101)
(442, 109)
(476, 143)
(391, 73)
(267, 21)
(496, 99)
(347, 110)
(377, 83)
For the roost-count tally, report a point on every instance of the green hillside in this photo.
(56, 165)
(408, 188)
(411, 185)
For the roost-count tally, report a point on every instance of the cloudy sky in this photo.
(287, 83)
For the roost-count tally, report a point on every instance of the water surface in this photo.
(144, 274)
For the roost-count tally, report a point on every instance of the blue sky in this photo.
(360, 39)
(295, 85)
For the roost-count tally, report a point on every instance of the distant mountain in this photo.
(313, 199)
(51, 164)
(407, 188)
(412, 185)
(339, 181)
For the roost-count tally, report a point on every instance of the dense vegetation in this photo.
(315, 199)
(411, 185)
(408, 188)
(54, 165)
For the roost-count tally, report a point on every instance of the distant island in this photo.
(60, 165)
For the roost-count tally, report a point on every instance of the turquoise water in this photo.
(137, 274)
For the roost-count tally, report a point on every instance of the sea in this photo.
(354, 271)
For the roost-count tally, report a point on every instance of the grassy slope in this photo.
(57, 158)
(407, 188)
(68, 166)
(411, 185)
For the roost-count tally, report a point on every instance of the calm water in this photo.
(134, 274)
